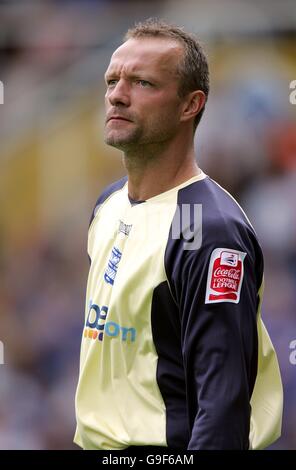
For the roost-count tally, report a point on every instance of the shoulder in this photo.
(221, 218)
(106, 193)
(110, 189)
(209, 221)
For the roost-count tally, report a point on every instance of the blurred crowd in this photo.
(246, 142)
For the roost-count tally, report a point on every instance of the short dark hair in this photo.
(193, 70)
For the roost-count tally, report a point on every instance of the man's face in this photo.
(142, 102)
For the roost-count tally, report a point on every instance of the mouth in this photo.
(118, 118)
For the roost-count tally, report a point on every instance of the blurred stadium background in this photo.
(53, 165)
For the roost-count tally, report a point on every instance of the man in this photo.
(174, 352)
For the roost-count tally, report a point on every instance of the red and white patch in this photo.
(225, 276)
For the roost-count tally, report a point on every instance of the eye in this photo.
(144, 83)
(111, 82)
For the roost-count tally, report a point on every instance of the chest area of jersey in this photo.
(127, 249)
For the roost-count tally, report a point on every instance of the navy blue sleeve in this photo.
(219, 339)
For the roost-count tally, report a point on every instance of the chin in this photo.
(120, 144)
(119, 141)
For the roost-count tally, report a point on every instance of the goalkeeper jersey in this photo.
(174, 351)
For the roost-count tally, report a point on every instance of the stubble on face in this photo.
(124, 135)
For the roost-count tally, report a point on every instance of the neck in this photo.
(152, 171)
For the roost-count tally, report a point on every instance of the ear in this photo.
(193, 103)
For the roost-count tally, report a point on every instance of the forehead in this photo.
(152, 54)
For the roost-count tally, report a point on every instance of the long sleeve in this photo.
(215, 288)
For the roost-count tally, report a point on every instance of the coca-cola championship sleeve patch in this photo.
(225, 276)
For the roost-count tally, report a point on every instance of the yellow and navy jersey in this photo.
(174, 352)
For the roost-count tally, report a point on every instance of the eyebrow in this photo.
(135, 74)
(140, 75)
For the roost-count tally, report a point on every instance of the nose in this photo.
(119, 94)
